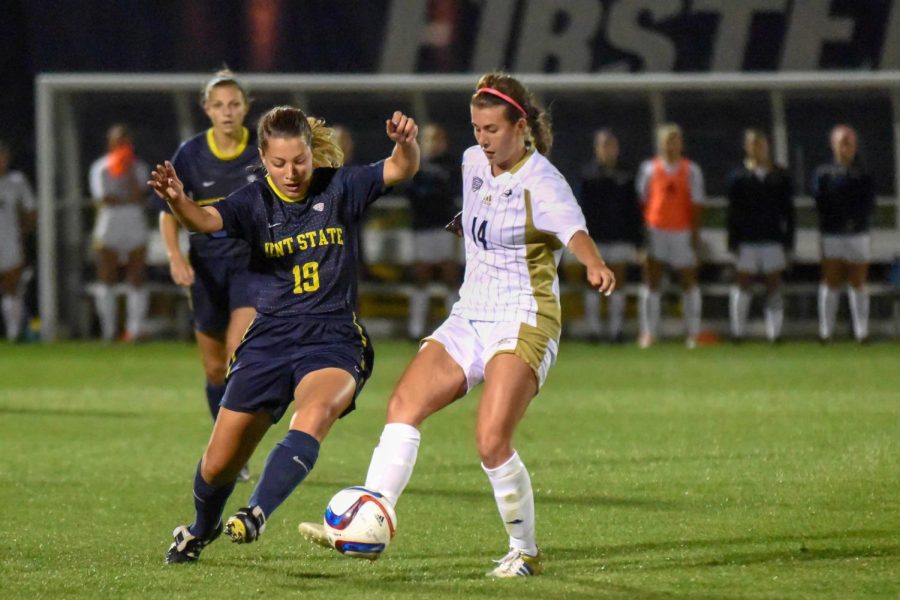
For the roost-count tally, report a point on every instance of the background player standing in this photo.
(671, 189)
(120, 232)
(432, 200)
(211, 165)
(17, 219)
(613, 214)
(760, 222)
(845, 200)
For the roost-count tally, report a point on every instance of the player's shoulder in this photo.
(192, 146)
(16, 178)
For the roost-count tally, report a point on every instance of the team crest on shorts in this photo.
(477, 182)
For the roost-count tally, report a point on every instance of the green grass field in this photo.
(738, 472)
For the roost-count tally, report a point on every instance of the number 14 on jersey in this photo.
(478, 232)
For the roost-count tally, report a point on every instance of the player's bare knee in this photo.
(493, 448)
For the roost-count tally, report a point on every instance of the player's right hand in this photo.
(181, 270)
(164, 181)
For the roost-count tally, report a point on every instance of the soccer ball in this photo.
(360, 523)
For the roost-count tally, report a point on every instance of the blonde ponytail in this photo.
(325, 149)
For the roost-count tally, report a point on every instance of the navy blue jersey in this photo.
(845, 199)
(433, 191)
(610, 205)
(209, 176)
(760, 208)
(305, 250)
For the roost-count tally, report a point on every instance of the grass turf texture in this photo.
(743, 472)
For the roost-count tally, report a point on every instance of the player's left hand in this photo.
(401, 128)
(601, 278)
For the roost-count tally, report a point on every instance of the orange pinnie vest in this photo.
(669, 204)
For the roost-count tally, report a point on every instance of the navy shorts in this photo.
(221, 285)
(277, 352)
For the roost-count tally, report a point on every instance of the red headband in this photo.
(502, 96)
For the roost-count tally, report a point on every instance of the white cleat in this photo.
(244, 475)
(517, 564)
(315, 533)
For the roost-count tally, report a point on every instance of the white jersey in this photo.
(121, 227)
(515, 227)
(15, 196)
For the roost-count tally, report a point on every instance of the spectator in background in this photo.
(609, 202)
(845, 200)
(760, 221)
(120, 232)
(671, 189)
(433, 202)
(17, 217)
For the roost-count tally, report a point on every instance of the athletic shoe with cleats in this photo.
(244, 475)
(517, 564)
(246, 525)
(187, 546)
(315, 533)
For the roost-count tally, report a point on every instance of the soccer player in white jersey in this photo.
(120, 232)
(518, 215)
(17, 213)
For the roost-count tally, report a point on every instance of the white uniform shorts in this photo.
(763, 257)
(122, 229)
(615, 253)
(432, 246)
(853, 248)
(10, 254)
(671, 247)
(472, 344)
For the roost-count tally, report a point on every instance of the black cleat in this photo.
(246, 525)
(187, 547)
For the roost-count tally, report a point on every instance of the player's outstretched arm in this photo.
(164, 181)
(404, 160)
(599, 276)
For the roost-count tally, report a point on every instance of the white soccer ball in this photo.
(360, 522)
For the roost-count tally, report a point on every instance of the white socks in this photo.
(738, 309)
(693, 305)
(828, 307)
(418, 312)
(137, 301)
(774, 315)
(105, 300)
(592, 311)
(859, 311)
(515, 501)
(650, 308)
(616, 308)
(12, 316)
(393, 460)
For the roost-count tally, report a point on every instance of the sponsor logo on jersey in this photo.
(486, 200)
(477, 182)
(507, 193)
(207, 183)
(251, 178)
(319, 207)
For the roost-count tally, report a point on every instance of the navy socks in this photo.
(288, 464)
(209, 502)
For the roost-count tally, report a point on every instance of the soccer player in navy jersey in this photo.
(761, 231)
(211, 165)
(845, 201)
(305, 344)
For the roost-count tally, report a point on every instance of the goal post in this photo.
(61, 166)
